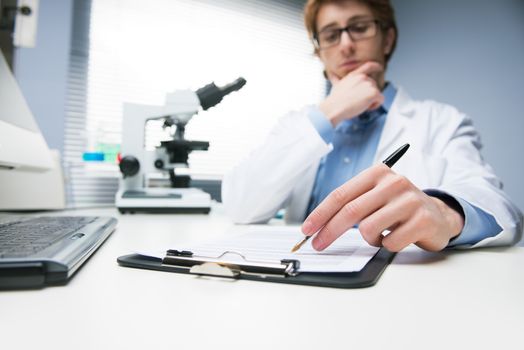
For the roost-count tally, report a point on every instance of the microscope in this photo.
(137, 163)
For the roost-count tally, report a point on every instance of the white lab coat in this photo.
(444, 155)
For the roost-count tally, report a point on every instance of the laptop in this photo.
(36, 251)
(47, 250)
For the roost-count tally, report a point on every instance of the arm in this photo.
(381, 200)
(493, 219)
(478, 224)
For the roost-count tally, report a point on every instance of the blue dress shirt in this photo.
(355, 143)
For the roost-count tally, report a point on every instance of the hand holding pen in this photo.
(378, 199)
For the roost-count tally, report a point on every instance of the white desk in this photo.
(423, 300)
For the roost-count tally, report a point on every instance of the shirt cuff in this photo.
(321, 124)
(478, 224)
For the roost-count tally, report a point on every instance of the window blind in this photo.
(136, 51)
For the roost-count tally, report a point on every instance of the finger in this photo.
(369, 68)
(376, 99)
(350, 214)
(344, 194)
(402, 236)
(377, 102)
(388, 217)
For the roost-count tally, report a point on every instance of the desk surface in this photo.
(422, 301)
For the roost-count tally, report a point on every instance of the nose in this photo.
(345, 40)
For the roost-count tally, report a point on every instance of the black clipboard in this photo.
(283, 272)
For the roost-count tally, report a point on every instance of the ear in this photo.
(389, 39)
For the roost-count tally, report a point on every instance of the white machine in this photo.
(138, 163)
(30, 173)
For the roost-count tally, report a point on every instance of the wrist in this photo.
(330, 111)
(453, 219)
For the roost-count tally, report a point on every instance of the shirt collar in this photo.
(389, 92)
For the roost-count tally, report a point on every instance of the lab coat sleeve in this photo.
(255, 189)
(470, 178)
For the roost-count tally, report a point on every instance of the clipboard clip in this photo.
(226, 266)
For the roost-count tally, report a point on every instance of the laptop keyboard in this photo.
(24, 238)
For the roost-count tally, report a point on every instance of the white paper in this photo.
(348, 253)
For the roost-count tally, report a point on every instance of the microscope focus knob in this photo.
(129, 166)
(159, 164)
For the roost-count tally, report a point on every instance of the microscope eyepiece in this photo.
(210, 95)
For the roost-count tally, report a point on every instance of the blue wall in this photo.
(42, 71)
(470, 53)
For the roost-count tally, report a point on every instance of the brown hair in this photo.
(382, 10)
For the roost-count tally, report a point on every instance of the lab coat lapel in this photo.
(391, 138)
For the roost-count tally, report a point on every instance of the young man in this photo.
(318, 162)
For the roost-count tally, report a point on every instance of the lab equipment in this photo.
(30, 173)
(138, 163)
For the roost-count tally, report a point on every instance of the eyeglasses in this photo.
(357, 31)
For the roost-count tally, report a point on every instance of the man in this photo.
(318, 162)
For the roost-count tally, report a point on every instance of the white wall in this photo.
(470, 53)
(42, 71)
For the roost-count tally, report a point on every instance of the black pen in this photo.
(389, 161)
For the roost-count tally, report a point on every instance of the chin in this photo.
(343, 72)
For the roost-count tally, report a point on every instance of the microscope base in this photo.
(163, 200)
(173, 210)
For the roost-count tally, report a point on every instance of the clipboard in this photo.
(284, 272)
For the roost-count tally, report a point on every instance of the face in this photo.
(348, 54)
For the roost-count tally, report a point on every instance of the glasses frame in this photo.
(316, 41)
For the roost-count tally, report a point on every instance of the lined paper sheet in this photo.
(349, 253)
